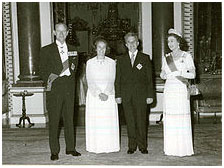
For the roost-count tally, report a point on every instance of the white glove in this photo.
(118, 100)
(149, 100)
(176, 73)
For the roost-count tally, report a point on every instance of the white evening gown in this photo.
(176, 110)
(102, 124)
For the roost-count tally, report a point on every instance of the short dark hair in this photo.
(182, 42)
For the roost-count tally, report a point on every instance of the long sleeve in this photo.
(150, 89)
(189, 71)
(118, 80)
(110, 83)
(44, 65)
(95, 91)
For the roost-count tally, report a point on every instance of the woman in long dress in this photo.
(177, 68)
(102, 124)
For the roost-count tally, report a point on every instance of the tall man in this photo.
(134, 89)
(58, 73)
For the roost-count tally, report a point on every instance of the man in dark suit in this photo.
(134, 89)
(58, 65)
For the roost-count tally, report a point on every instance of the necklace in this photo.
(100, 60)
(176, 54)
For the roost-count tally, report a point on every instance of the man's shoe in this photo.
(54, 157)
(130, 151)
(144, 151)
(73, 153)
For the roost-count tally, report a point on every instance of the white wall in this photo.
(177, 16)
(147, 27)
(16, 70)
(46, 23)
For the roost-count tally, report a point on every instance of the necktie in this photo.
(61, 52)
(132, 59)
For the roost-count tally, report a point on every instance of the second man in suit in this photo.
(134, 89)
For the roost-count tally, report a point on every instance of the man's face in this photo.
(61, 33)
(132, 44)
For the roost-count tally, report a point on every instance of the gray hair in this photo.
(58, 24)
(131, 34)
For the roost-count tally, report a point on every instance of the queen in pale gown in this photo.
(176, 103)
(102, 124)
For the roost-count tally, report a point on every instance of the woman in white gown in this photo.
(102, 124)
(177, 68)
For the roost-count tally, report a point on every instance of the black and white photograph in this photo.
(111, 83)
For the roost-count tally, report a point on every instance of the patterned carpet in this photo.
(29, 146)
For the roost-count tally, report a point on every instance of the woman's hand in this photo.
(176, 73)
(163, 75)
(103, 97)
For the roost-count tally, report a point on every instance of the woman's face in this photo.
(101, 48)
(173, 43)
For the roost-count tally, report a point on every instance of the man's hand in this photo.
(118, 100)
(103, 97)
(149, 100)
(52, 77)
(73, 66)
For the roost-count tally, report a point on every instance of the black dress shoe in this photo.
(130, 151)
(54, 157)
(144, 151)
(73, 153)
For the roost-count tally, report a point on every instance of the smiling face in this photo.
(61, 33)
(132, 43)
(101, 48)
(173, 44)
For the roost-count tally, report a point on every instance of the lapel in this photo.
(137, 58)
(128, 61)
(57, 58)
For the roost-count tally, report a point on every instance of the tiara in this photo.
(173, 31)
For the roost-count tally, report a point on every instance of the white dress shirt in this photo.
(63, 51)
(135, 54)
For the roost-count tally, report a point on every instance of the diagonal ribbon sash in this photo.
(65, 65)
(52, 77)
(172, 67)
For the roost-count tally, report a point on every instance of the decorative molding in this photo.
(46, 23)
(188, 24)
(8, 46)
(15, 44)
(177, 13)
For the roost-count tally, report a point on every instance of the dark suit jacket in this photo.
(50, 61)
(134, 81)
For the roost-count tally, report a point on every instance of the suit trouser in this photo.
(135, 112)
(60, 102)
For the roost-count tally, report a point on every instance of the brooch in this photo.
(139, 66)
(182, 60)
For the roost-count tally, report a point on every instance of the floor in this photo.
(29, 146)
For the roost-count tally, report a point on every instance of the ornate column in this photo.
(27, 15)
(29, 42)
(162, 20)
